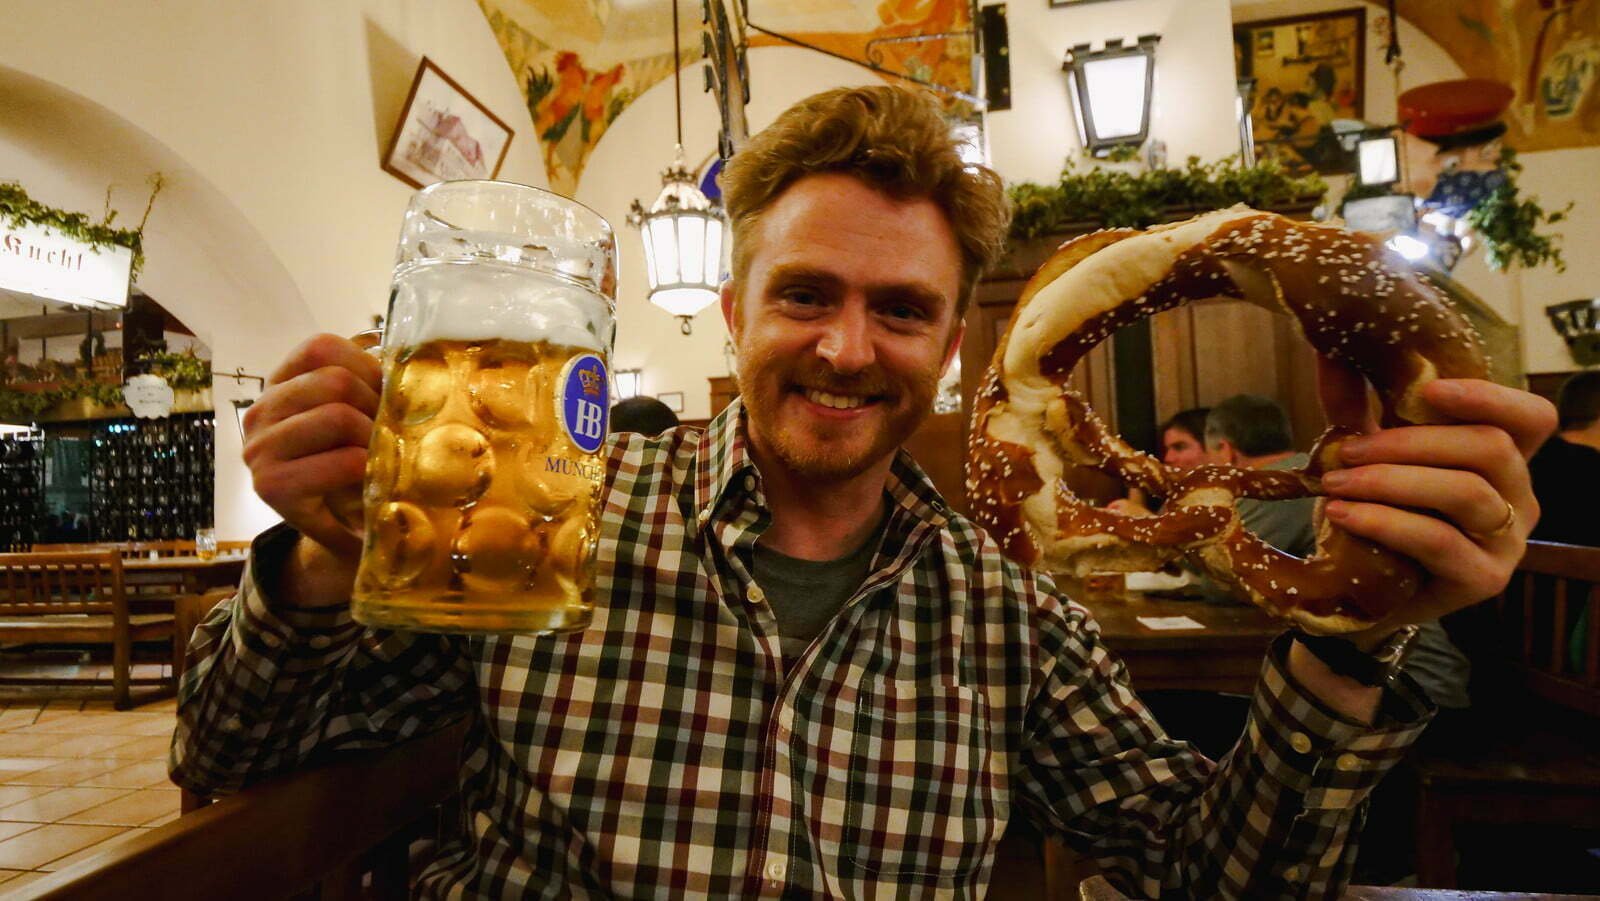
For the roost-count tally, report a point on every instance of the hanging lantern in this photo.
(683, 235)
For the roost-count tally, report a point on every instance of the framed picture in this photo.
(1308, 73)
(673, 400)
(444, 133)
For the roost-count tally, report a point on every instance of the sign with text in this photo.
(42, 262)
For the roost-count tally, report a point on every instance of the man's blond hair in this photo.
(892, 139)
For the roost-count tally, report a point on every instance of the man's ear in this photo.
(730, 308)
(1224, 452)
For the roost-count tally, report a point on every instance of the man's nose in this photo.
(847, 341)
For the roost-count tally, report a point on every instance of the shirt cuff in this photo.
(1331, 761)
(310, 635)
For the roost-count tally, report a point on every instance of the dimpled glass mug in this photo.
(483, 477)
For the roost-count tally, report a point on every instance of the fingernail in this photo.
(1351, 450)
(1336, 480)
(1338, 511)
(1448, 390)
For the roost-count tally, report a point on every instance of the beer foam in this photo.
(482, 301)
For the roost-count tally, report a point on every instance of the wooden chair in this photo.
(340, 830)
(76, 598)
(1536, 760)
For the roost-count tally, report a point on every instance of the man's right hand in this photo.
(305, 440)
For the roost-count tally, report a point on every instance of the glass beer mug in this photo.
(483, 477)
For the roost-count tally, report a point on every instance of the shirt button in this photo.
(271, 640)
(754, 594)
(1300, 743)
(749, 482)
(703, 518)
(775, 870)
(231, 725)
(319, 641)
(1291, 874)
(1347, 762)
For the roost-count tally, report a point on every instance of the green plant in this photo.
(18, 209)
(1509, 224)
(1114, 198)
(183, 371)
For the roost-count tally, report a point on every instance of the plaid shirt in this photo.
(668, 751)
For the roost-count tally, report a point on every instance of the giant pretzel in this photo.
(1353, 300)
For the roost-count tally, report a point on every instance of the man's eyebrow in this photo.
(919, 291)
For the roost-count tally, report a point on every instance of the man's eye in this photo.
(804, 297)
(905, 312)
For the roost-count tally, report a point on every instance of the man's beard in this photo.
(823, 451)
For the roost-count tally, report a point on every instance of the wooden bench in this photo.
(76, 598)
(341, 830)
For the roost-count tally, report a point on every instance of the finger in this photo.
(323, 428)
(323, 350)
(327, 531)
(1462, 569)
(1528, 418)
(326, 385)
(298, 489)
(1344, 396)
(1482, 449)
(1464, 498)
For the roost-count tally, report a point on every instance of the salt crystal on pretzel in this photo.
(1355, 301)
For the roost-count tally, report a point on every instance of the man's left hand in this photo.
(1455, 498)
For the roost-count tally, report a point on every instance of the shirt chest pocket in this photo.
(921, 798)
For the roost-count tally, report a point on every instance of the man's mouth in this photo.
(836, 401)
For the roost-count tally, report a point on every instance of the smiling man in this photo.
(806, 675)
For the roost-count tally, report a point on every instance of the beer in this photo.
(482, 489)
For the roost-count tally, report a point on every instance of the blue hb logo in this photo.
(585, 402)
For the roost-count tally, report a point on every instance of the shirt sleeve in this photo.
(267, 688)
(1277, 817)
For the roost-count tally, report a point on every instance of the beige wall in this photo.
(269, 120)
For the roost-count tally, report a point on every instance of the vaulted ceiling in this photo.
(581, 62)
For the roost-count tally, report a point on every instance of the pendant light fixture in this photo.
(682, 231)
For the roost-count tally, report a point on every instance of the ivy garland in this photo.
(1509, 225)
(18, 209)
(183, 371)
(1114, 198)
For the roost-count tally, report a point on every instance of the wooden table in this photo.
(1224, 656)
(187, 573)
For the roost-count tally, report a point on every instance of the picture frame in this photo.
(673, 400)
(1056, 4)
(1310, 72)
(444, 133)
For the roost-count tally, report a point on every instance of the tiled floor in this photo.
(76, 776)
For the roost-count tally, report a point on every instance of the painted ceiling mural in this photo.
(581, 62)
(1548, 51)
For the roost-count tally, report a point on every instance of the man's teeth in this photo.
(836, 401)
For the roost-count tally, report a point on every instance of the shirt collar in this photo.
(724, 462)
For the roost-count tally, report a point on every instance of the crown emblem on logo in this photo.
(591, 382)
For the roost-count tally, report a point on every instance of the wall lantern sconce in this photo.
(242, 404)
(1578, 322)
(1111, 92)
(1378, 159)
(629, 381)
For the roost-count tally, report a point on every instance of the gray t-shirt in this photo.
(805, 595)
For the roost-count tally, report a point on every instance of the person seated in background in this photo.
(644, 415)
(1252, 432)
(1183, 446)
(1566, 469)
